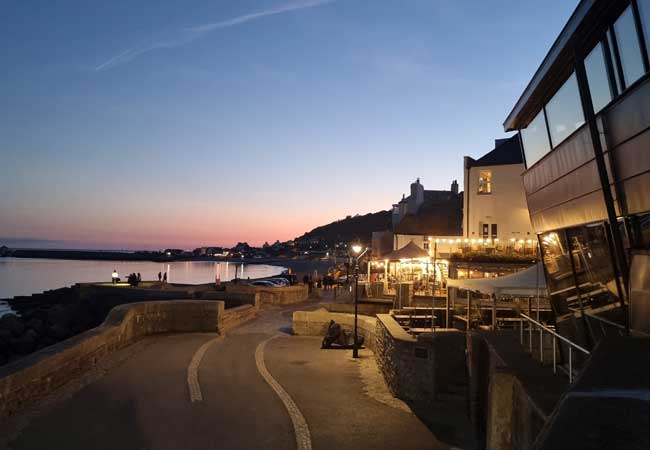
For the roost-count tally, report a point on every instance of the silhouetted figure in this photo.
(305, 279)
(165, 277)
(139, 278)
(159, 277)
(115, 277)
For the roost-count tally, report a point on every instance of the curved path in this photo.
(148, 402)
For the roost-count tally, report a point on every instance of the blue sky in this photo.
(160, 123)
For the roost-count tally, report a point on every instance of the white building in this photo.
(494, 203)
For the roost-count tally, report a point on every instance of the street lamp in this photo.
(356, 249)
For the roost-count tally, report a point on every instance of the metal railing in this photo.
(542, 329)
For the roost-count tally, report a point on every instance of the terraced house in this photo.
(584, 123)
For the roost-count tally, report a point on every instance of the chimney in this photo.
(454, 187)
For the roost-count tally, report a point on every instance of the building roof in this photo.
(439, 216)
(507, 152)
(409, 251)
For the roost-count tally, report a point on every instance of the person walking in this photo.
(159, 277)
(139, 278)
(115, 276)
(165, 278)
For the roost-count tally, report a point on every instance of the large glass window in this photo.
(599, 88)
(535, 140)
(593, 267)
(564, 111)
(485, 182)
(644, 11)
(628, 47)
(559, 275)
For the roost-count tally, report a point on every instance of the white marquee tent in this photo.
(526, 283)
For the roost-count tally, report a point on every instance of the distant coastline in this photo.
(298, 266)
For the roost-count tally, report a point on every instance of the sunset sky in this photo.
(157, 124)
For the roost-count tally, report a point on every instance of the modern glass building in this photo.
(584, 124)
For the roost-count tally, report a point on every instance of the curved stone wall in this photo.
(25, 381)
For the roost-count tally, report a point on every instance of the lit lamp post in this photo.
(356, 249)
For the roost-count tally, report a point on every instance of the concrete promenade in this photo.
(149, 399)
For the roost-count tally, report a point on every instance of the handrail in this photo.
(556, 336)
(559, 336)
(608, 322)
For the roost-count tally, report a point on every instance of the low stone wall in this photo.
(236, 316)
(366, 308)
(315, 323)
(419, 368)
(273, 296)
(414, 369)
(25, 381)
(233, 299)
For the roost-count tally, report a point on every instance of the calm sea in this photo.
(26, 276)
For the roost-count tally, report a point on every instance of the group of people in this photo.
(326, 282)
(135, 278)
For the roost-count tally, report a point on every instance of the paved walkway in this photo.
(147, 403)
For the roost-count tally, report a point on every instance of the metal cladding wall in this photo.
(563, 189)
(627, 133)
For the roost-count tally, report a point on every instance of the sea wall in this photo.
(273, 296)
(25, 381)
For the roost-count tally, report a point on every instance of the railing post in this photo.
(530, 337)
(541, 345)
(521, 331)
(570, 365)
(554, 357)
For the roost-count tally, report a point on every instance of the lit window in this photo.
(564, 111)
(485, 182)
(535, 140)
(596, 69)
(628, 47)
(426, 245)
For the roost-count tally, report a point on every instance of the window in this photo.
(494, 231)
(592, 263)
(628, 47)
(564, 111)
(644, 12)
(535, 140)
(485, 182)
(485, 230)
(559, 275)
(426, 244)
(596, 69)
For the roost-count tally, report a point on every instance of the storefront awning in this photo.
(529, 283)
(409, 251)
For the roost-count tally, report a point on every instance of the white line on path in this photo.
(193, 371)
(303, 437)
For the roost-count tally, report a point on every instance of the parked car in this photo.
(279, 281)
(263, 283)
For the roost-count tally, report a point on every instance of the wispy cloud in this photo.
(187, 35)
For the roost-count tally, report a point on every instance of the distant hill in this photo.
(350, 228)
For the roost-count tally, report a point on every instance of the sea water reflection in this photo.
(26, 276)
